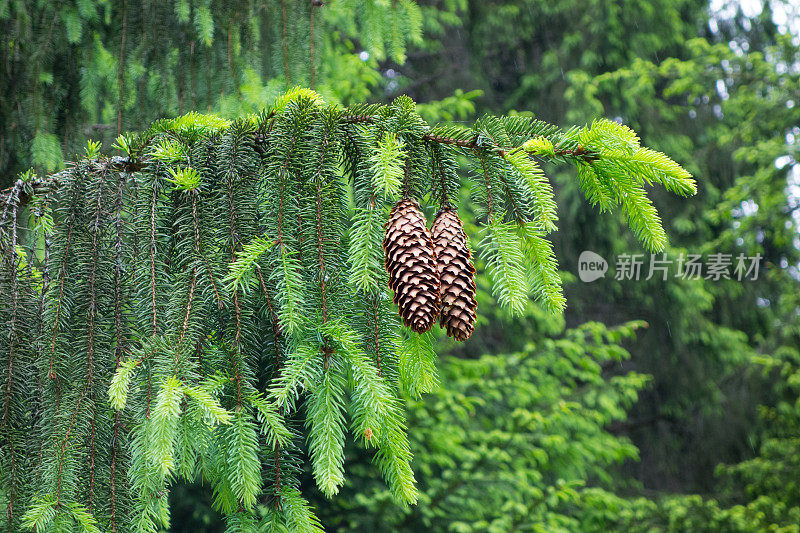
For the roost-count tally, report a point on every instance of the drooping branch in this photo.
(193, 281)
(119, 344)
(95, 231)
(8, 439)
(12, 203)
(282, 180)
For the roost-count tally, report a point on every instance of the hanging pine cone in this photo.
(411, 264)
(456, 275)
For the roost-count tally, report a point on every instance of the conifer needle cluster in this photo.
(212, 306)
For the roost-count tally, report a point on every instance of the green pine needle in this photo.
(501, 249)
(417, 364)
(387, 162)
(325, 421)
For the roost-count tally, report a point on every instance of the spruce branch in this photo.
(222, 258)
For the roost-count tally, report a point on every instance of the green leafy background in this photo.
(648, 406)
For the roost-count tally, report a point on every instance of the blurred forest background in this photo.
(650, 405)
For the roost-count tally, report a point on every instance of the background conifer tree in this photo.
(95, 68)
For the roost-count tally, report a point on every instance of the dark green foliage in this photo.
(92, 68)
(197, 310)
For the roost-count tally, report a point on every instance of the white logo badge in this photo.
(591, 266)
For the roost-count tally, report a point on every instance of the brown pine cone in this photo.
(411, 264)
(456, 275)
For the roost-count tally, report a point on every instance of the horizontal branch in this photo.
(472, 143)
(580, 152)
(125, 164)
(356, 119)
(118, 163)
